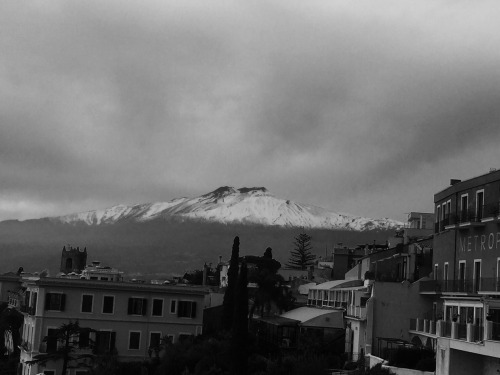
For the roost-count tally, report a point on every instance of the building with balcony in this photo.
(124, 316)
(465, 289)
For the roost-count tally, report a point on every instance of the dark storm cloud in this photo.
(339, 104)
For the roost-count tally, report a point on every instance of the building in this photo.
(73, 259)
(465, 318)
(126, 316)
(381, 292)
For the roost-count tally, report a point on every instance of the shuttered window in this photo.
(55, 301)
(186, 309)
(137, 306)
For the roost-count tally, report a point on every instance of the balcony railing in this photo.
(478, 333)
(459, 331)
(356, 312)
(462, 331)
(491, 210)
(447, 286)
(29, 310)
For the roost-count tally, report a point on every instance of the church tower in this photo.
(73, 259)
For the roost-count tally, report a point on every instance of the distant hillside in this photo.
(157, 247)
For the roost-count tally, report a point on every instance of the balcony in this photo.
(491, 211)
(28, 310)
(357, 312)
(447, 286)
(470, 218)
(489, 285)
(454, 330)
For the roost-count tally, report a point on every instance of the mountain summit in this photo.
(228, 205)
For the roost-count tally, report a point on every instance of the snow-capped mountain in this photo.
(233, 206)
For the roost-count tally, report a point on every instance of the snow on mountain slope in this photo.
(230, 205)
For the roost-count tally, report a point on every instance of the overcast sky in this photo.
(365, 107)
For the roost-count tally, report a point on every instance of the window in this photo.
(438, 218)
(445, 271)
(157, 307)
(461, 275)
(55, 301)
(27, 297)
(173, 306)
(108, 304)
(498, 275)
(464, 207)
(445, 215)
(104, 341)
(84, 338)
(137, 306)
(134, 340)
(33, 303)
(186, 309)
(154, 339)
(51, 340)
(436, 270)
(477, 275)
(87, 302)
(479, 204)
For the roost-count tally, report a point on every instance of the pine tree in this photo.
(301, 256)
(232, 279)
(68, 348)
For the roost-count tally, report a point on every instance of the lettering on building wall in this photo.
(481, 242)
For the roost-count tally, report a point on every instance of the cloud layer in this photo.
(355, 106)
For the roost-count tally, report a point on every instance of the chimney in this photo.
(454, 181)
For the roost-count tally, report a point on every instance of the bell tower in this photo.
(73, 259)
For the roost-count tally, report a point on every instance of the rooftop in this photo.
(117, 285)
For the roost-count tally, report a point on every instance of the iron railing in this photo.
(491, 210)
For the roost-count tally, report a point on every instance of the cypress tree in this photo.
(240, 325)
(232, 279)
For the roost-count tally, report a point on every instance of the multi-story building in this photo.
(381, 291)
(129, 317)
(465, 290)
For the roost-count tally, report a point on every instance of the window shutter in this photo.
(193, 310)
(130, 306)
(47, 301)
(144, 306)
(112, 341)
(63, 301)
